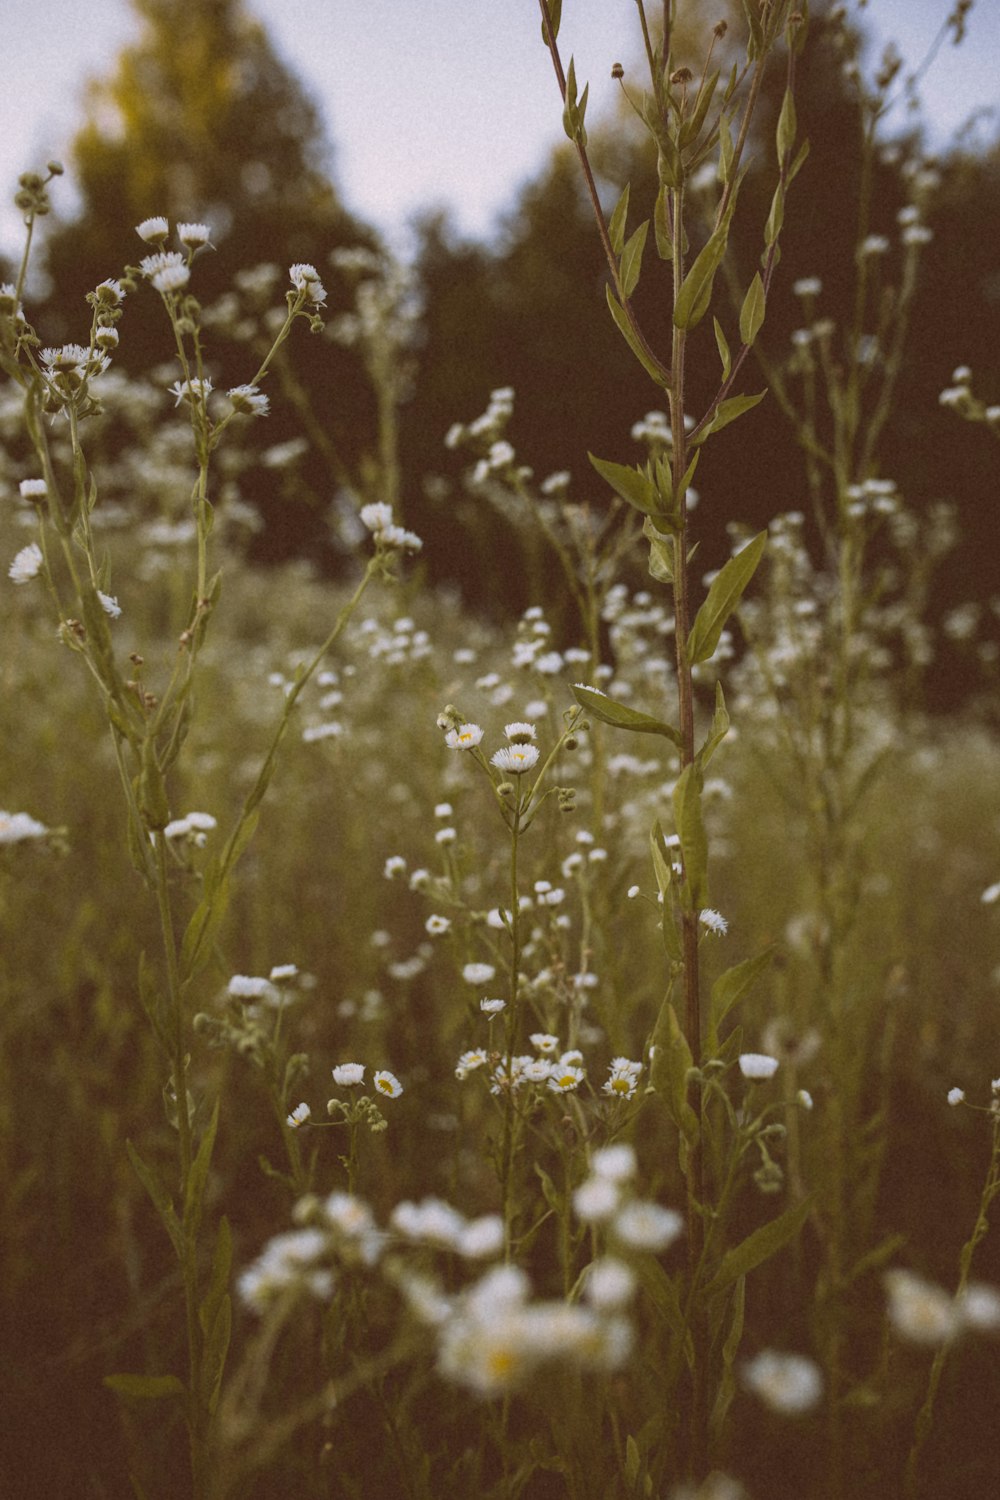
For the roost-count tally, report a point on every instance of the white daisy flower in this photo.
(347, 1075)
(387, 1083)
(465, 737)
(757, 1065)
(478, 973)
(26, 565)
(298, 1116)
(515, 759)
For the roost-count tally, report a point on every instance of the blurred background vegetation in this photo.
(201, 121)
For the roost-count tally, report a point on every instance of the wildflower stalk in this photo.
(510, 1034)
(925, 1417)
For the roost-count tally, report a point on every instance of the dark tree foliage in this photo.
(530, 313)
(202, 121)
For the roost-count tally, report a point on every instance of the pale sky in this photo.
(449, 102)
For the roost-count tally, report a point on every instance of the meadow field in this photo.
(442, 1056)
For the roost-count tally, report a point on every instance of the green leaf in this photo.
(194, 1188)
(628, 334)
(160, 1198)
(728, 411)
(691, 129)
(729, 989)
(145, 1387)
(776, 217)
(661, 553)
(671, 1064)
(152, 1003)
(631, 263)
(665, 1297)
(690, 826)
(723, 596)
(786, 126)
(724, 354)
(760, 1246)
(661, 227)
(668, 162)
(616, 228)
(730, 1349)
(799, 162)
(214, 1357)
(663, 871)
(610, 711)
(718, 731)
(555, 16)
(752, 311)
(752, 15)
(696, 289)
(631, 484)
(222, 1261)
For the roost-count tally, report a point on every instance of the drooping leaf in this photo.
(160, 1197)
(633, 485)
(610, 711)
(631, 263)
(752, 311)
(718, 731)
(728, 411)
(628, 334)
(723, 596)
(669, 1075)
(723, 347)
(729, 989)
(690, 825)
(661, 553)
(616, 226)
(759, 1246)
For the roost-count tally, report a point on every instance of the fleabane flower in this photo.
(647, 1226)
(27, 564)
(110, 605)
(565, 1077)
(714, 921)
(919, 1310)
(515, 759)
(194, 390)
(465, 737)
(33, 489)
(757, 1065)
(492, 1007)
(249, 400)
(348, 1075)
(167, 271)
(520, 734)
(193, 236)
(153, 229)
(15, 828)
(298, 1116)
(478, 973)
(437, 926)
(787, 1383)
(305, 278)
(388, 1084)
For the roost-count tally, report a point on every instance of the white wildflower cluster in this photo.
(305, 280)
(788, 1383)
(493, 1337)
(194, 826)
(924, 1313)
(293, 1262)
(397, 646)
(485, 436)
(27, 564)
(623, 1078)
(352, 1075)
(20, 828)
(607, 1198)
(655, 431)
(435, 1223)
(377, 517)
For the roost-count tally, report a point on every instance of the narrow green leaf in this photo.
(752, 15)
(671, 1064)
(787, 126)
(668, 162)
(727, 151)
(690, 826)
(631, 263)
(194, 1189)
(216, 1349)
(152, 1002)
(555, 16)
(625, 328)
(145, 1387)
(661, 553)
(730, 1349)
(661, 227)
(723, 346)
(610, 711)
(718, 731)
(776, 217)
(691, 129)
(222, 1261)
(160, 1197)
(799, 162)
(665, 1297)
(723, 596)
(728, 411)
(631, 484)
(633, 1462)
(696, 289)
(752, 311)
(616, 227)
(759, 1247)
(663, 871)
(729, 989)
